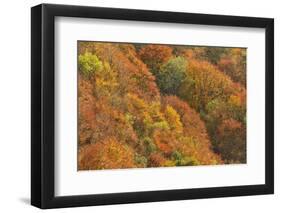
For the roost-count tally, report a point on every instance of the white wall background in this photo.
(15, 106)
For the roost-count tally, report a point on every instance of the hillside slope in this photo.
(155, 105)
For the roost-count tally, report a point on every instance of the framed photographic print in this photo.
(139, 106)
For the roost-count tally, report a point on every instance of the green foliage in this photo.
(176, 155)
(160, 105)
(190, 161)
(161, 125)
(233, 64)
(181, 160)
(150, 146)
(129, 118)
(171, 75)
(226, 122)
(213, 104)
(207, 83)
(89, 64)
(214, 54)
(141, 161)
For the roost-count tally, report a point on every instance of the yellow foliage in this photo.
(127, 119)
(108, 154)
(173, 119)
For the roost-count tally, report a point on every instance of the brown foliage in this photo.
(231, 141)
(125, 122)
(234, 65)
(156, 160)
(154, 55)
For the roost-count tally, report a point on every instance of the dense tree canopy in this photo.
(160, 105)
(171, 75)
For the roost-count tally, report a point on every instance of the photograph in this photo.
(160, 105)
(136, 105)
(140, 106)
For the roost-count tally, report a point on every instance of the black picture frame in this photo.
(43, 105)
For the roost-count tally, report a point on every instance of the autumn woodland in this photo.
(158, 105)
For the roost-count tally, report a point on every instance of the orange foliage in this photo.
(165, 142)
(99, 120)
(125, 121)
(108, 154)
(194, 128)
(133, 75)
(204, 83)
(154, 55)
(86, 111)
